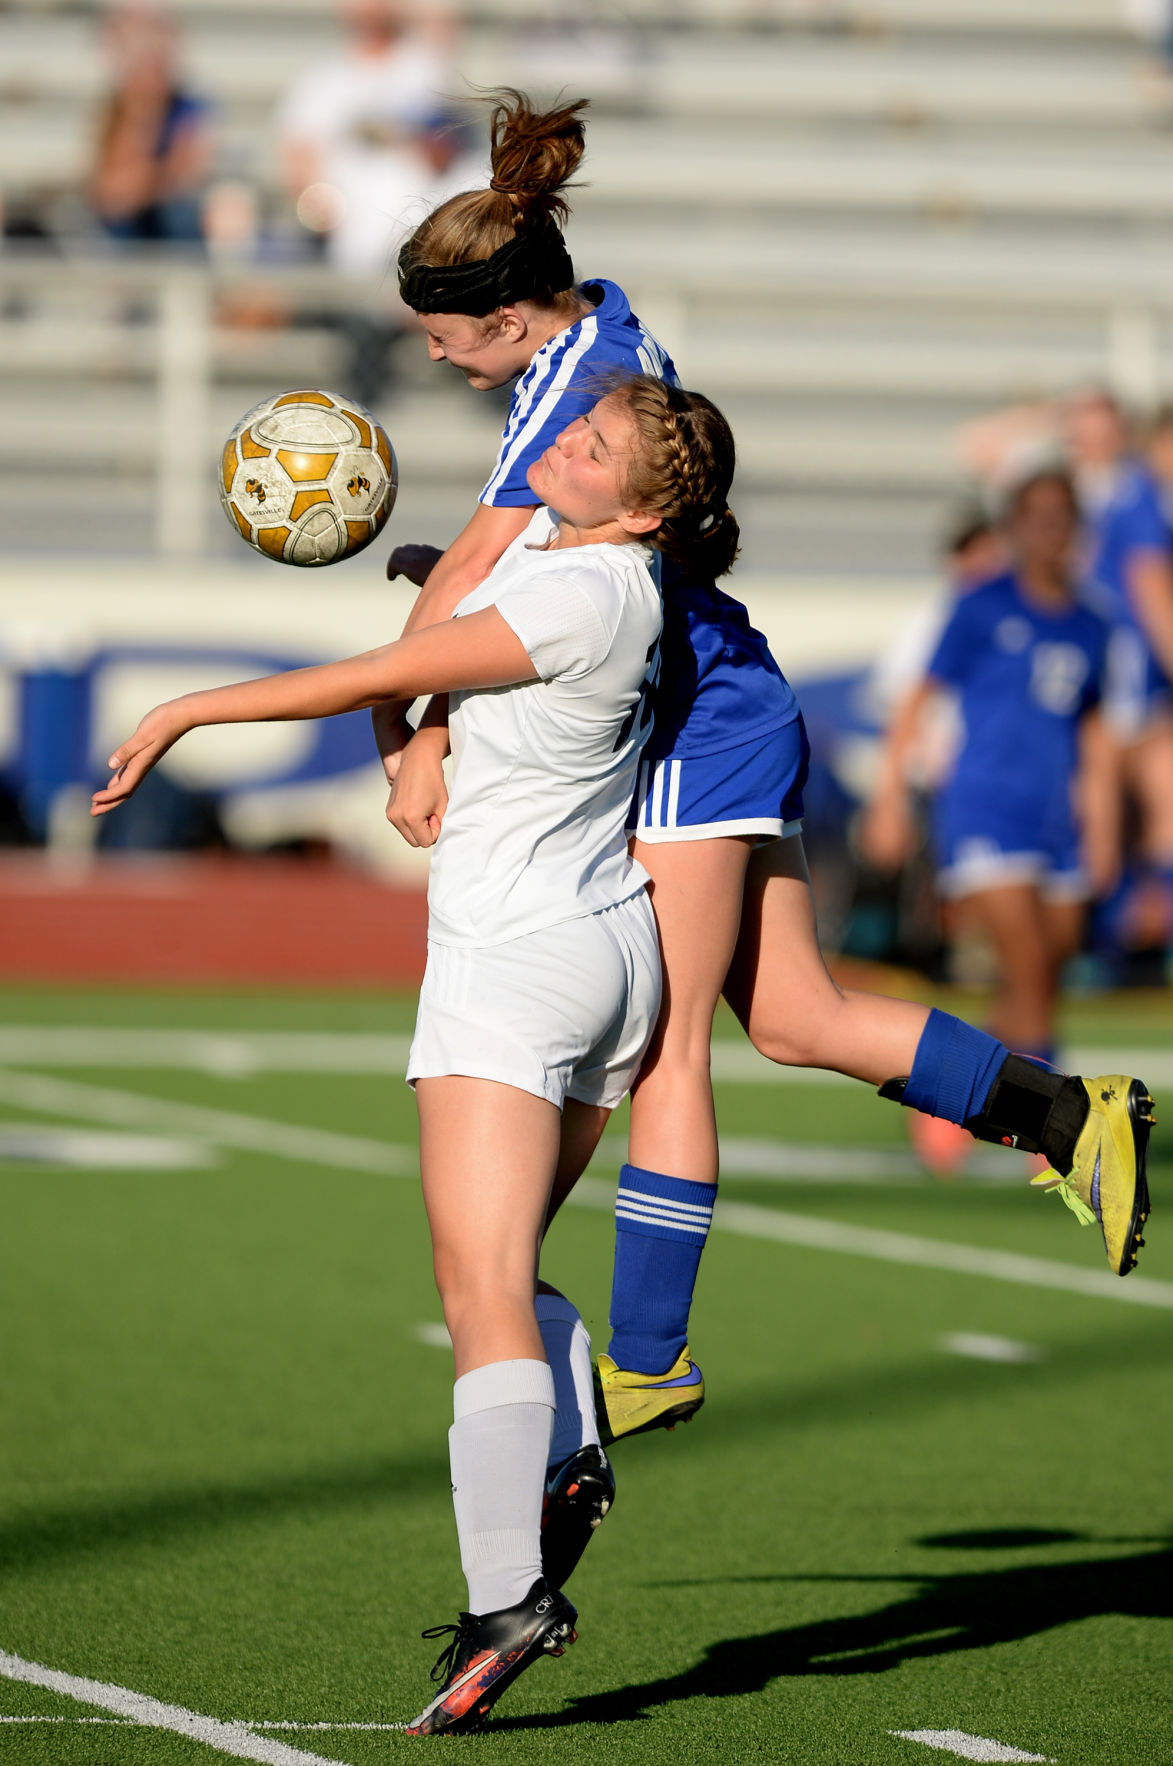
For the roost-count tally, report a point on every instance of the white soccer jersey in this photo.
(543, 771)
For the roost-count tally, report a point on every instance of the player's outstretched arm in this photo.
(480, 651)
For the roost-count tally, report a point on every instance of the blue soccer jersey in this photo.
(718, 682)
(1025, 676)
(566, 377)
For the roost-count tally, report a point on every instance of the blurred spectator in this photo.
(154, 144)
(359, 137)
(355, 135)
(1130, 556)
(1152, 20)
(1026, 827)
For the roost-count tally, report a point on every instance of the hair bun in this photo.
(535, 153)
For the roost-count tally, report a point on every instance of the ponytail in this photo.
(534, 155)
(488, 248)
(706, 552)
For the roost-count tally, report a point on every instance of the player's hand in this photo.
(886, 834)
(131, 762)
(416, 563)
(419, 796)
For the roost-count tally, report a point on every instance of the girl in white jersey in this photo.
(717, 816)
(543, 980)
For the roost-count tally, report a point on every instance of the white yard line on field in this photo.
(224, 1054)
(102, 1722)
(227, 1128)
(235, 1723)
(978, 1346)
(59, 1097)
(966, 1747)
(226, 1738)
(232, 1054)
(751, 1222)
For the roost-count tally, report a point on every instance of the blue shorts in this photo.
(984, 846)
(751, 787)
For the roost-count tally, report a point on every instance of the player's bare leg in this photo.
(792, 1009)
(647, 1379)
(1032, 939)
(1148, 771)
(488, 1154)
(696, 892)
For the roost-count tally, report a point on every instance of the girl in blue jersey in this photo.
(1025, 827)
(718, 808)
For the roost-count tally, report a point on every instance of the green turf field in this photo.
(223, 1475)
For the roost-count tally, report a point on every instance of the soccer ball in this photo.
(308, 477)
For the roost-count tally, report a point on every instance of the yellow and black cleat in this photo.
(1107, 1182)
(630, 1403)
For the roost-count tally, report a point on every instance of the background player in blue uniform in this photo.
(716, 820)
(1129, 546)
(1026, 827)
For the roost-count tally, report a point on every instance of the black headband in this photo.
(529, 264)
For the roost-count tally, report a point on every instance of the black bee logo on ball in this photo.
(254, 488)
(358, 484)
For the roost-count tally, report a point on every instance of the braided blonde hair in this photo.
(683, 469)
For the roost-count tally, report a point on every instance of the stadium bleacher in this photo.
(857, 225)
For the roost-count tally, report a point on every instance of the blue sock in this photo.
(953, 1070)
(661, 1224)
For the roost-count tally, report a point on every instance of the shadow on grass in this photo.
(36, 1538)
(906, 1389)
(964, 1610)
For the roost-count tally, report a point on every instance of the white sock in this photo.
(497, 1448)
(568, 1350)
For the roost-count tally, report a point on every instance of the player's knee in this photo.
(786, 1044)
(470, 1285)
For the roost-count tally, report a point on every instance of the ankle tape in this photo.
(1032, 1108)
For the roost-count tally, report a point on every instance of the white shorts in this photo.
(566, 1012)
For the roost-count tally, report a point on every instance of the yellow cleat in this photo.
(629, 1403)
(1107, 1182)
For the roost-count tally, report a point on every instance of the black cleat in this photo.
(487, 1653)
(578, 1496)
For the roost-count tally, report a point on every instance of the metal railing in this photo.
(152, 332)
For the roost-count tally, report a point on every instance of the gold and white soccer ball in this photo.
(308, 477)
